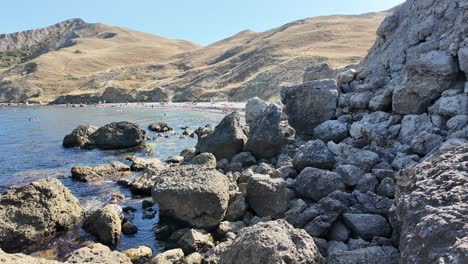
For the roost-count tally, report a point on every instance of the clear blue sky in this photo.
(200, 21)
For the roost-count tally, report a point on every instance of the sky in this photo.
(200, 21)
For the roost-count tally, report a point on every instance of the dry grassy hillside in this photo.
(237, 68)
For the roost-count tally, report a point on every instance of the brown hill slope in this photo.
(237, 68)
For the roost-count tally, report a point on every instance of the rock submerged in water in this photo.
(117, 135)
(192, 193)
(106, 224)
(160, 127)
(36, 212)
(227, 139)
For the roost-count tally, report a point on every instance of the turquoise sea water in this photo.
(31, 148)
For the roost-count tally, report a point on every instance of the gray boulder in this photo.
(193, 194)
(310, 104)
(267, 196)
(79, 137)
(350, 174)
(315, 184)
(271, 242)
(35, 212)
(266, 137)
(331, 130)
(318, 72)
(253, 108)
(425, 142)
(363, 159)
(105, 224)
(368, 226)
(227, 139)
(368, 255)
(314, 153)
(431, 207)
(118, 135)
(245, 158)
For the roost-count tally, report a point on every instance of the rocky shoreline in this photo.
(368, 167)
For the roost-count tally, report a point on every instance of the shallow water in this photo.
(31, 148)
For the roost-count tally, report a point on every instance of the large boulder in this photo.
(20, 258)
(266, 137)
(253, 108)
(314, 153)
(432, 208)
(118, 135)
(79, 137)
(310, 104)
(100, 172)
(227, 139)
(106, 224)
(271, 242)
(315, 184)
(267, 196)
(193, 194)
(35, 212)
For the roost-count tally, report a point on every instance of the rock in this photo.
(424, 80)
(118, 135)
(336, 246)
(315, 184)
(100, 172)
(79, 137)
(146, 204)
(192, 194)
(206, 159)
(360, 100)
(173, 256)
(270, 242)
(425, 142)
(160, 127)
(36, 212)
(174, 159)
(318, 72)
(140, 164)
(346, 76)
(188, 153)
(226, 227)
(267, 196)
(350, 174)
(266, 137)
(139, 255)
(314, 153)
(451, 106)
(227, 139)
(431, 208)
(97, 254)
(202, 131)
(310, 104)
(245, 158)
(20, 258)
(194, 258)
(367, 226)
(129, 228)
(105, 224)
(457, 122)
(363, 159)
(387, 188)
(331, 130)
(339, 232)
(195, 240)
(368, 255)
(373, 203)
(367, 183)
(237, 207)
(253, 108)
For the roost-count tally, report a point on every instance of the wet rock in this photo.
(146, 204)
(245, 158)
(160, 127)
(118, 135)
(100, 172)
(367, 226)
(253, 108)
(270, 242)
(169, 257)
(227, 139)
(195, 240)
(193, 194)
(97, 254)
(314, 153)
(368, 255)
(105, 224)
(79, 137)
(331, 130)
(431, 207)
(139, 255)
(35, 212)
(315, 184)
(266, 137)
(267, 196)
(129, 228)
(310, 104)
